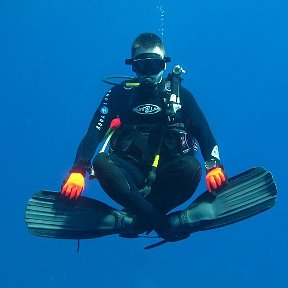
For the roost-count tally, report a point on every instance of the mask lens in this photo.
(148, 66)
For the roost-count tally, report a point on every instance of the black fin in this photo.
(244, 196)
(49, 214)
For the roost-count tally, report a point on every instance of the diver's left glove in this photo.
(215, 175)
(73, 185)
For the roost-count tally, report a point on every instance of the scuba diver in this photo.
(151, 166)
(148, 123)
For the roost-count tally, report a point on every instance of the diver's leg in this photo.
(176, 182)
(121, 181)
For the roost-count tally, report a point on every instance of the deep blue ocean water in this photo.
(53, 55)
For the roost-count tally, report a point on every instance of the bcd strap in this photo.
(152, 174)
(173, 106)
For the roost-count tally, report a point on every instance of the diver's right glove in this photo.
(73, 185)
(215, 175)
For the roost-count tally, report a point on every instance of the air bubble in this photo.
(161, 10)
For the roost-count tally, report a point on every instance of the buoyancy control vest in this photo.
(153, 123)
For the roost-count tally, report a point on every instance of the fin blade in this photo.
(50, 215)
(247, 194)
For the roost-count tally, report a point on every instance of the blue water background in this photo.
(53, 55)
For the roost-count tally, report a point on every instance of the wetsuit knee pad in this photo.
(192, 167)
(182, 167)
(111, 178)
(189, 162)
(191, 172)
(179, 179)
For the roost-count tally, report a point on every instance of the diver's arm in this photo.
(199, 127)
(99, 124)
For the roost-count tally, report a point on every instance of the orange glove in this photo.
(215, 178)
(73, 186)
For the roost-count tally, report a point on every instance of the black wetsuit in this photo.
(122, 172)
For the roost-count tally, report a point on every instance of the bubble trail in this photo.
(161, 10)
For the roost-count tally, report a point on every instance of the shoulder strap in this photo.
(174, 103)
